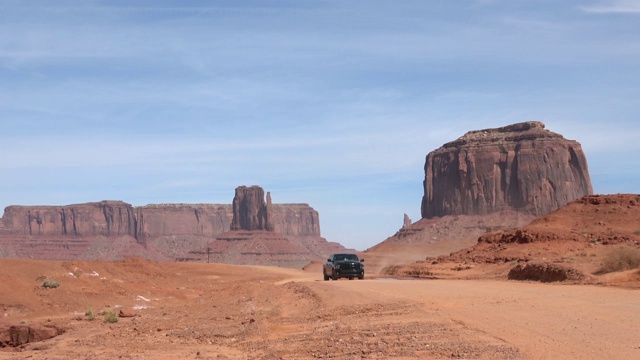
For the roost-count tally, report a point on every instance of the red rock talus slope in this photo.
(439, 236)
(521, 167)
(575, 239)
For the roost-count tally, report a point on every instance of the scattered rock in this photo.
(17, 335)
(127, 313)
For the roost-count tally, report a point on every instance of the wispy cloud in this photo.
(614, 7)
(334, 103)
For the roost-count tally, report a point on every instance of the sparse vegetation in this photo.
(50, 284)
(637, 232)
(110, 317)
(621, 258)
(89, 315)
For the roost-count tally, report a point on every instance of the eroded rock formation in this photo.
(250, 212)
(521, 167)
(17, 335)
(406, 221)
(108, 218)
(114, 229)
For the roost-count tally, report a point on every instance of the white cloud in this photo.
(614, 7)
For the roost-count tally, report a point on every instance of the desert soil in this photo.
(215, 311)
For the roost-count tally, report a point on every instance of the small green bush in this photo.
(89, 315)
(110, 317)
(50, 284)
(637, 232)
(621, 258)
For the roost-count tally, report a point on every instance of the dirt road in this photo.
(201, 311)
(542, 321)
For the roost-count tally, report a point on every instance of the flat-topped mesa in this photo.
(114, 229)
(250, 212)
(521, 167)
(107, 218)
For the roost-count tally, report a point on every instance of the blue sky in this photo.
(331, 103)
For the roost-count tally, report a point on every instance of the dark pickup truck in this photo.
(343, 266)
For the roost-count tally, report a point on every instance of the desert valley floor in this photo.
(216, 311)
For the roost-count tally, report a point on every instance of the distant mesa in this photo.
(285, 235)
(112, 230)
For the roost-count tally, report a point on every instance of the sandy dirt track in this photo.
(200, 311)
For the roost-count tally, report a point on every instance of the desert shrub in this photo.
(110, 317)
(637, 232)
(621, 258)
(50, 284)
(89, 315)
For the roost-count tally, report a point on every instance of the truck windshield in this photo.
(346, 257)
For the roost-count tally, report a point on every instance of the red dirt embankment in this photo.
(574, 239)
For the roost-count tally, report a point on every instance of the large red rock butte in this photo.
(114, 229)
(250, 212)
(489, 180)
(521, 167)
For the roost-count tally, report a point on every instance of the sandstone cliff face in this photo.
(116, 218)
(295, 219)
(183, 219)
(108, 218)
(520, 167)
(114, 229)
(250, 212)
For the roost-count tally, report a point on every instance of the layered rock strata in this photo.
(262, 233)
(521, 167)
(115, 229)
(250, 211)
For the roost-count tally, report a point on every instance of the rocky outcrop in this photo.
(116, 218)
(250, 212)
(295, 219)
(183, 219)
(18, 335)
(263, 233)
(406, 221)
(521, 167)
(107, 218)
(112, 230)
(544, 273)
